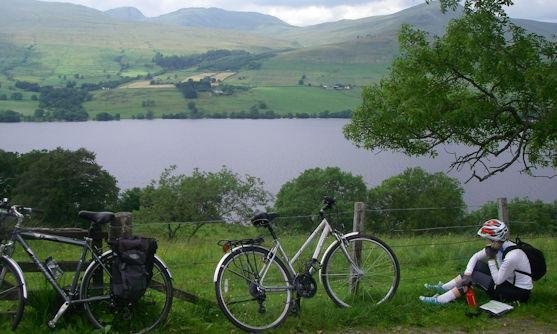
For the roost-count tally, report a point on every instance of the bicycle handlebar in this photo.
(16, 210)
(328, 203)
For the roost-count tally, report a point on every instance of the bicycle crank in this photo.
(305, 285)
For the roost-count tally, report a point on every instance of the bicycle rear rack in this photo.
(227, 245)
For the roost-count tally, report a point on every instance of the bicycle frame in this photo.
(70, 296)
(324, 227)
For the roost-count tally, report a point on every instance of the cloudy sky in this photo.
(307, 12)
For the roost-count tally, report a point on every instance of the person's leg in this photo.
(507, 292)
(443, 287)
(456, 287)
(481, 276)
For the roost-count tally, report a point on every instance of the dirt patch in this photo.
(145, 84)
(500, 326)
(217, 75)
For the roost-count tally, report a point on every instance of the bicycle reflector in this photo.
(226, 245)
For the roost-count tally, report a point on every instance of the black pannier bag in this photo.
(132, 267)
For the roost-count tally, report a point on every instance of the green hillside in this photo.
(66, 45)
(216, 18)
(126, 13)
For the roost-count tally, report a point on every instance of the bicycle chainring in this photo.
(305, 285)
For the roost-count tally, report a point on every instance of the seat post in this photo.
(95, 233)
(271, 231)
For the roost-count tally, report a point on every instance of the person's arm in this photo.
(480, 255)
(506, 271)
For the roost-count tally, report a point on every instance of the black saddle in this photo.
(263, 218)
(97, 217)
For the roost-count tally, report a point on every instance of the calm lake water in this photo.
(276, 151)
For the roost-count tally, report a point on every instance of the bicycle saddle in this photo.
(96, 217)
(263, 218)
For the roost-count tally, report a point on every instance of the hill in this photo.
(62, 44)
(216, 18)
(35, 22)
(126, 13)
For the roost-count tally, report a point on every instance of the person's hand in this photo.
(466, 280)
(490, 252)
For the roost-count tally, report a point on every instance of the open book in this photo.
(496, 308)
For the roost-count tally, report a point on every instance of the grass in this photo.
(283, 100)
(422, 259)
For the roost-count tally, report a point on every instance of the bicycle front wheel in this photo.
(142, 316)
(360, 270)
(253, 292)
(12, 295)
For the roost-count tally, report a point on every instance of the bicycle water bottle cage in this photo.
(263, 219)
(229, 244)
(96, 217)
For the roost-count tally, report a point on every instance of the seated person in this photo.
(505, 280)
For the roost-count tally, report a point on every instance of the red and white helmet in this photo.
(494, 229)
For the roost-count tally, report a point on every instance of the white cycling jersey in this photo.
(505, 270)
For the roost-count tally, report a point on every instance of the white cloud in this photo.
(541, 10)
(303, 16)
(306, 12)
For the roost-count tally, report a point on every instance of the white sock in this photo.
(448, 296)
(451, 284)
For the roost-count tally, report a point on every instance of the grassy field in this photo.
(283, 100)
(422, 259)
(285, 70)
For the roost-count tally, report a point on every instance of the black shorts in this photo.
(505, 292)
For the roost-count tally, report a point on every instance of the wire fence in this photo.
(402, 247)
(406, 260)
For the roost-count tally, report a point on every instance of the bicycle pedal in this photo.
(295, 309)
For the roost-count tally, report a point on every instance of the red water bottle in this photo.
(471, 298)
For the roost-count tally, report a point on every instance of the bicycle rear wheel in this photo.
(148, 313)
(250, 301)
(374, 279)
(12, 295)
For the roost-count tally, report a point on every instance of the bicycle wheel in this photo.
(140, 317)
(375, 279)
(12, 294)
(250, 301)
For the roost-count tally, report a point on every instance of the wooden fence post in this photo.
(121, 226)
(503, 210)
(359, 213)
(358, 226)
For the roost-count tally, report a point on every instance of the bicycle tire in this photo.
(378, 280)
(136, 318)
(12, 294)
(240, 295)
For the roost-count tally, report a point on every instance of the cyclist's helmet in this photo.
(494, 229)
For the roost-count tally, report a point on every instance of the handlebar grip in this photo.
(329, 202)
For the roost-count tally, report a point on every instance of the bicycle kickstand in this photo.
(61, 311)
(295, 310)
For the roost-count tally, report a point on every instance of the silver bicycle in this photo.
(92, 291)
(257, 287)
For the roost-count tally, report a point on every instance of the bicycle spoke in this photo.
(374, 280)
(249, 304)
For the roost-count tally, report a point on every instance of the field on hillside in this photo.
(282, 100)
(279, 71)
(422, 259)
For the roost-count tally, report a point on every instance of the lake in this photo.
(276, 151)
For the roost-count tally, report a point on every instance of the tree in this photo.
(10, 116)
(303, 195)
(416, 199)
(129, 200)
(525, 216)
(62, 182)
(486, 84)
(8, 172)
(201, 196)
